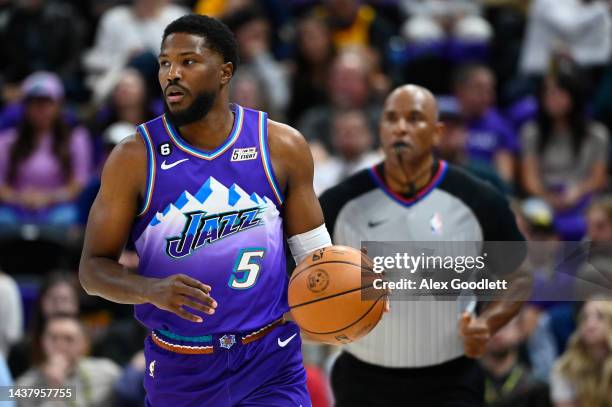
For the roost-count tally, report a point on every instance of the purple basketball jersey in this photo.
(214, 216)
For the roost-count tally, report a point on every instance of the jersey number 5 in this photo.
(247, 268)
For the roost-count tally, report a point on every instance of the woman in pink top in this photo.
(44, 163)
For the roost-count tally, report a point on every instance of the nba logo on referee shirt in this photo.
(436, 224)
(227, 341)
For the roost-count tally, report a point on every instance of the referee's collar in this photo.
(438, 171)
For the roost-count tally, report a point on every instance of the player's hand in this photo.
(475, 333)
(175, 292)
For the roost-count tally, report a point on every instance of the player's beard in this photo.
(198, 110)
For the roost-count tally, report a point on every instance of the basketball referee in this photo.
(422, 352)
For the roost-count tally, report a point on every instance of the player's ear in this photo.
(227, 71)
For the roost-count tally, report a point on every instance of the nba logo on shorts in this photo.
(227, 341)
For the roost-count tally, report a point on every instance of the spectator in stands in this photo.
(352, 151)
(5, 380)
(349, 88)
(452, 147)
(11, 314)
(434, 20)
(583, 374)
(128, 35)
(491, 139)
(42, 35)
(508, 19)
(595, 276)
(553, 278)
(220, 8)
(579, 28)
(564, 153)
(57, 295)
(314, 55)
(599, 220)
(129, 391)
(508, 381)
(355, 24)
(437, 36)
(252, 30)
(44, 163)
(129, 102)
(553, 264)
(65, 364)
(248, 90)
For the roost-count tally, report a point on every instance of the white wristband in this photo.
(305, 243)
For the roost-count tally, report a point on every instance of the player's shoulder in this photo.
(289, 151)
(286, 138)
(132, 146)
(129, 157)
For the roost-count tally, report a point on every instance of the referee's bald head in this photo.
(418, 92)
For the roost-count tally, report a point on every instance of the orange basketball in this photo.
(325, 295)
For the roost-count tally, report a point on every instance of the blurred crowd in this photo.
(524, 89)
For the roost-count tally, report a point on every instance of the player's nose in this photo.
(174, 73)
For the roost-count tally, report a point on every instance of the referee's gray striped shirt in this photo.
(454, 206)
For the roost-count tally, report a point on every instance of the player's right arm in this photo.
(108, 227)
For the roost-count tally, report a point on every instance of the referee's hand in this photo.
(475, 333)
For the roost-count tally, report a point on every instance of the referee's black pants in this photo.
(456, 383)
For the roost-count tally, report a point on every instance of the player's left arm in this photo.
(293, 165)
(506, 249)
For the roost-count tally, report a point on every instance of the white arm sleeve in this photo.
(303, 244)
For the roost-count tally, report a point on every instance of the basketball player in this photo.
(206, 192)
(417, 353)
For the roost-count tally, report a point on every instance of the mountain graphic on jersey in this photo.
(213, 213)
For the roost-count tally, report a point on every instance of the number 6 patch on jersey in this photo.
(165, 149)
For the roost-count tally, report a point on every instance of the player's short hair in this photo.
(218, 36)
